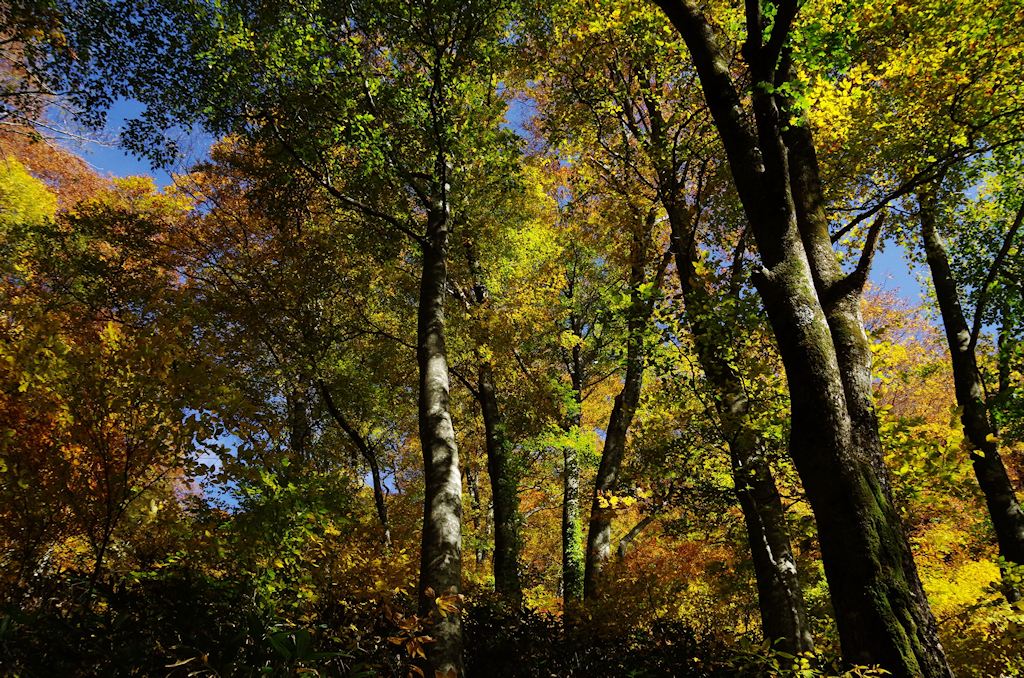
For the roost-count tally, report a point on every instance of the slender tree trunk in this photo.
(599, 535)
(500, 466)
(1003, 506)
(1007, 347)
(572, 530)
(299, 430)
(369, 454)
(780, 596)
(866, 553)
(504, 494)
(441, 550)
(480, 521)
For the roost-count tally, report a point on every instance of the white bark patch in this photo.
(436, 379)
(803, 315)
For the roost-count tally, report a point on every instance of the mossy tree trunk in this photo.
(881, 616)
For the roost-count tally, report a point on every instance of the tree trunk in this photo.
(369, 454)
(780, 597)
(572, 530)
(480, 514)
(866, 554)
(1003, 505)
(599, 535)
(504, 494)
(500, 467)
(441, 550)
(840, 294)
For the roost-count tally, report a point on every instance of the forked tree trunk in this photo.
(1003, 505)
(441, 550)
(882, 616)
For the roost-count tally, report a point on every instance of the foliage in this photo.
(199, 387)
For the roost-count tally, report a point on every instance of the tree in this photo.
(373, 101)
(99, 406)
(813, 308)
(932, 111)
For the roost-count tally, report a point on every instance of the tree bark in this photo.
(500, 467)
(599, 534)
(780, 596)
(504, 493)
(572, 530)
(481, 523)
(1003, 506)
(369, 454)
(866, 554)
(441, 550)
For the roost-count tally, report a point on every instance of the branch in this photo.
(983, 297)
(854, 282)
(325, 182)
(465, 382)
(338, 417)
(787, 10)
(940, 166)
(627, 540)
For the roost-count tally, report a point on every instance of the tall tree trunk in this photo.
(299, 430)
(599, 535)
(500, 467)
(840, 294)
(780, 596)
(504, 493)
(866, 554)
(1003, 505)
(441, 550)
(572, 530)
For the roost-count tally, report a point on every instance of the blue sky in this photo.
(113, 160)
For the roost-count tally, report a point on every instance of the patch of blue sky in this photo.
(110, 158)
